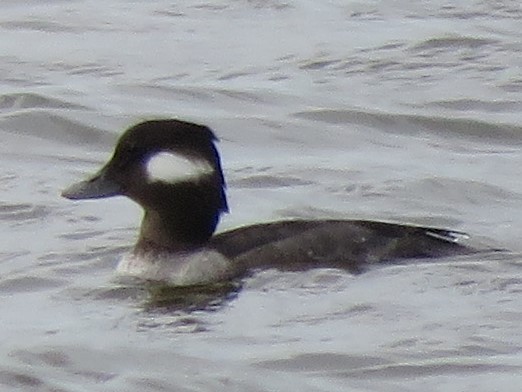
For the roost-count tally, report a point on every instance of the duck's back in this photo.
(351, 245)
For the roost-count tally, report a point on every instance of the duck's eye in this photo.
(126, 154)
(130, 149)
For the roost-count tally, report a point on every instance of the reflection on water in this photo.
(190, 298)
(152, 296)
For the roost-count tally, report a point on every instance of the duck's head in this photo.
(172, 169)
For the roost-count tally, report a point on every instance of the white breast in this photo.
(180, 269)
(171, 168)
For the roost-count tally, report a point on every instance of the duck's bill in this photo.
(97, 187)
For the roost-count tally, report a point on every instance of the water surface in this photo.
(398, 111)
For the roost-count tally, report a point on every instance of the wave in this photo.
(30, 100)
(42, 124)
(496, 133)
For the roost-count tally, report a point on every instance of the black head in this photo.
(172, 169)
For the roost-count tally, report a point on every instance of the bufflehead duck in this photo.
(172, 169)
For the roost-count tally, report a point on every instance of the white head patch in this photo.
(172, 168)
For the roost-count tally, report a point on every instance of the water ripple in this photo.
(413, 123)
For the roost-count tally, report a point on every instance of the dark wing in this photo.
(350, 245)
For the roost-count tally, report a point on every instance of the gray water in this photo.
(391, 110)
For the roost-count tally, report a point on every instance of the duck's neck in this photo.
(164, 233)
(184, 222)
